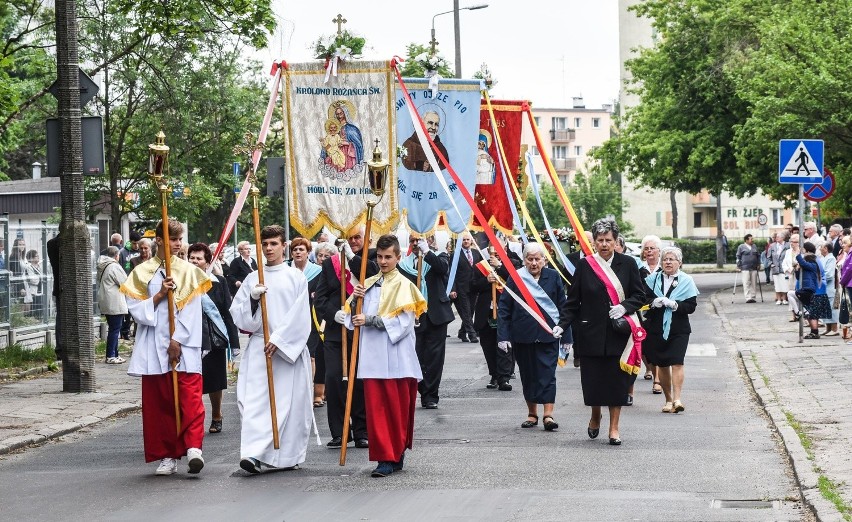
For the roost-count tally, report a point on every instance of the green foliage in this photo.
(415, 64)
(16, 356)
(326, 46)
(702, 251)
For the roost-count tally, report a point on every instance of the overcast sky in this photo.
(546, 51)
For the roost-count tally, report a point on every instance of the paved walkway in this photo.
(805, 388)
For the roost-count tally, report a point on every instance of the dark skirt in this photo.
(319, 364)
(214, 370)
(537, 366)
(819, 307)
(662, 352)
(603, 381)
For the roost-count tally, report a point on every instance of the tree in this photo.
(75, 337)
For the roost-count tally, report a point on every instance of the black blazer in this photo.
(482, 288)
(239, 269)
(516, 325)
(327, 293)
(464, 272)
(439, 307)
(221, 297)
(680, 318)
(588, 307)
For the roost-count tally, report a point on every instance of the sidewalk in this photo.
(805, 388)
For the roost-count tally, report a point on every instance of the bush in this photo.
(703, 251)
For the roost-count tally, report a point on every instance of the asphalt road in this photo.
(717, 461)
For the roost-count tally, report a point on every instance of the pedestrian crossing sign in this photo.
(800, 161)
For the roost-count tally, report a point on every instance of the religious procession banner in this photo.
(451, 119)
(331, 128)
(493, 195)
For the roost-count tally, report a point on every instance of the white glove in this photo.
(504, 346)
(658, 302)
(257, 291)
(668, 303)
(617, 311)
(557, 331)
(347, 251)
(423, 246)
(340, 317)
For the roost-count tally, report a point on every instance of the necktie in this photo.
(469, 257)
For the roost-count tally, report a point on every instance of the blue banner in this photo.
(451, 118)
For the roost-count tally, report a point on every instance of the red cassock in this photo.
(158, 415)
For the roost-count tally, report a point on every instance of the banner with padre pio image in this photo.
(451, 118)
(331, 130)
(491, 188)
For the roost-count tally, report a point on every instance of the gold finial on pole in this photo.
(339, 21)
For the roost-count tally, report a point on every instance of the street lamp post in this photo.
(457, 28)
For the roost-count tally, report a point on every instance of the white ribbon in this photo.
(434, 78)
(339, 55)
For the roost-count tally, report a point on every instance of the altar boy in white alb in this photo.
(289, 319)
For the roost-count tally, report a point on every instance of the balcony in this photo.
(563, 164)
(559, 135)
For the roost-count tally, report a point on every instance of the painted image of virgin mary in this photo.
(343, 111)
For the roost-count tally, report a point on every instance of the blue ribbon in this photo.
(534, 184)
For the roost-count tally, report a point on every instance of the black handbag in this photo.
(621, 325)
(211, 337)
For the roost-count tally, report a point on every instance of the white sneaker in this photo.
(167, 467)
(119, 360)
(778, 301)
(784, 301)
(196, 461)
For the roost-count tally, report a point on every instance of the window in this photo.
(696, 219)
(578, 150)
(596, 123)
(537, 121)
(777, 217)
(535, 150)
(659, 219)
(577, 122)
(560, 152)
(559, 123)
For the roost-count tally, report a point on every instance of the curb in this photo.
(803, 468)
(59, 430)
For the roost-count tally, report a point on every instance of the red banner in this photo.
(490, 193)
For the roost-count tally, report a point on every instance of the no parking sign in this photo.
(820, 191)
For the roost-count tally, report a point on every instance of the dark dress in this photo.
(671, 351)
(596, 343)
(536, 351)
(214, 365)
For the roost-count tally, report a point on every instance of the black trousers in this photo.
(335, 393)
(464, 306)
(431, 346)
(500, 364)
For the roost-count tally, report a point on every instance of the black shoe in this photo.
(576, 362)
(492, 385)
(594, 432)
(473, 339)
(504, 386)
(251, 465)
(397, 466)
(362, 443)
(463, 339)
(383, 469)
(614, 441)
(629, 401)
(335, 442)
(430, 405)
(812, 335)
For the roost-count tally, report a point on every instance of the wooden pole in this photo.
(419, 279)
(255, 192)
(344, 338)
(356, 337)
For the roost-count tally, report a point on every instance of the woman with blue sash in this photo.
(672, 296)
(536, 350)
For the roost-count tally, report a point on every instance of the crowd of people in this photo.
(809, 273)
(302, 320)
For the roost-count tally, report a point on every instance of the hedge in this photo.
(703, 251)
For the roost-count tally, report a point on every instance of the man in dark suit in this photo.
(241, 266)
(432, 330)
(500, 364)
(465, 299)
(835, 232)
(326, 304)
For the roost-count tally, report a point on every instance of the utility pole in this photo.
(75, 345)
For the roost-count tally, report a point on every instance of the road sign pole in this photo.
(801, 244)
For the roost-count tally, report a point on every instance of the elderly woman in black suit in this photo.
(536, 350)
(596, 343)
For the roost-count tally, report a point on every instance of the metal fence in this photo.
(26, 280)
